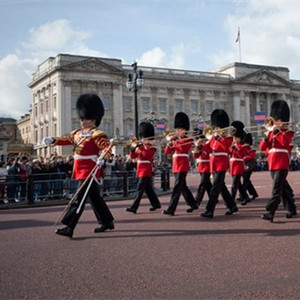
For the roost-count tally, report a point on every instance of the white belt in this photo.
(273, 150)
(180, 155)
(236, 159)
(203, 160)
(92, 157)
(218, 154)
(144, 162)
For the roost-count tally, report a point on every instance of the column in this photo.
(236, 105)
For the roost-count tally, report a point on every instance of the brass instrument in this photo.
(269, 125)
(227, 131)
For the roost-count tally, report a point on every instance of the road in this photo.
(153, 256)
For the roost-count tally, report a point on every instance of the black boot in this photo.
(105, 227)
(268, 216)
(129, 209)
(291, 214)
(207, 214)
(66, 231)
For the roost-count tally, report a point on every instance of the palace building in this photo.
(244, 91)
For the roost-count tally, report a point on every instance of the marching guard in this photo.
(220, 144)
(180, 145)
(201, 154)
(88, 141)
(277, 145)
(144, 151)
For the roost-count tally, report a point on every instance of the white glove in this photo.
(49, 140)
(100, 162)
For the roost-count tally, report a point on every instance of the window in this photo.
(107, 128)
(145, 104)
(178, 105)
(54, 102)
(106, 103)
(35, 111)
(127, 105)
(42, 108)
(209, 106)
(162, 105)
(73, 101)
(194, 107)
(46, 105)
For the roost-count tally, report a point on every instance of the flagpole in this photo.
(238, 39)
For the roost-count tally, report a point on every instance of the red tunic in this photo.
(219, 157)
(144, 155)
(278, 149)
(203, 158)
(238, 153)
(180, 149)
(88, 143)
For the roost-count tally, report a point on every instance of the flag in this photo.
(238, 36)
(259, 117)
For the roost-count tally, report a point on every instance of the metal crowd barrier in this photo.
(52, 187)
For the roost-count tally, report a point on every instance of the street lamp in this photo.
(135, 82)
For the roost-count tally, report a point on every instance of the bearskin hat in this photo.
(219, 118)
(90, 106)
(247, 139)
(280, 111)
(239, 128)
(182, 121)
(146, 130)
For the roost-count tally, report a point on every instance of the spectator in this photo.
(3, 174)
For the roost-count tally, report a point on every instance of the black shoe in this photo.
(191, 209)
(129, 209)
(253, 197)
(66, 231)
(154, 208)
(267, 216)
(207, 214)
(166, 212)
(291, 214)
(105, 227)
(239, 199)
(245, 201)
(230, 211)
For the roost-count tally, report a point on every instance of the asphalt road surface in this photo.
(153, 256)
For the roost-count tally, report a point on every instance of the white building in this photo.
(243, 90)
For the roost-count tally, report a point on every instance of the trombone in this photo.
(269, 125)
(227, 131)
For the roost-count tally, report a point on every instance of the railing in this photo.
(57, 186)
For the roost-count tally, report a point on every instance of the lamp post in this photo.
(135, 82)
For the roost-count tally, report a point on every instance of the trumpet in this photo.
(269, 125)
(227, 131)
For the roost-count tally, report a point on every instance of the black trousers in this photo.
(180, 187)
(218, 186)
(247, 184)
(98, 205)
(145, 185)
(237, 185)
(288, 197)
(205, 185)
(279, 182)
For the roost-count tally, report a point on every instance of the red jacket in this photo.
(203, 158)
(180, 149)
(238, 152)
(144, 155)
(278, 149)
(219, 157)
(87, 145)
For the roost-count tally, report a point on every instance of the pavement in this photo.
(153, 256)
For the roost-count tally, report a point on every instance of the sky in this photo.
(195, 35)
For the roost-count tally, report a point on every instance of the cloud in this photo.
(15, 96)
(44, 41)
(269, 35)
(56, 37)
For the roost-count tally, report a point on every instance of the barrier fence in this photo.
(57, 186)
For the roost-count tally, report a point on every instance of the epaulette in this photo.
(97, 132)
(75, 131)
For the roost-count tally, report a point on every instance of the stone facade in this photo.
(241, 89)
